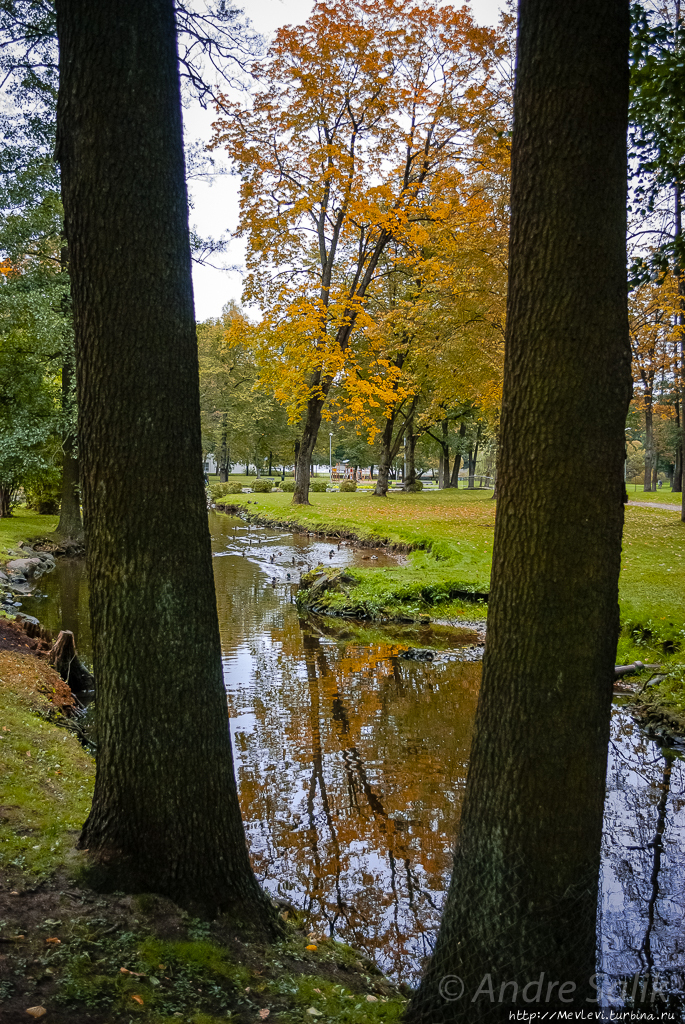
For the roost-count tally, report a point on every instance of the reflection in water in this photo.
(351, 764)
(642, 904)
(63, 603)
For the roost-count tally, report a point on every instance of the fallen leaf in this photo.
(36, 1011)
(318, 991)
(371, 999)
(136, 974)
(14, 893)
(310, 947)
(314, 1012)
(137, 999)
(263, 1014)
(54, 941)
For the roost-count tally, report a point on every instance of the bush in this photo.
(261, 486)
(318, 486)
(416, 486)
(348, 485)
(44, 496)
(219, 491)
(288, 485)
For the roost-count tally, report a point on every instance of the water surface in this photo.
(351, 763)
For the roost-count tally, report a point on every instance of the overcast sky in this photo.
(215, 206)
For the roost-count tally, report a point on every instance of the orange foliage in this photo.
(342, 150)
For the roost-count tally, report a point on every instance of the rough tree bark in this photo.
(165, 814)
(522, 899)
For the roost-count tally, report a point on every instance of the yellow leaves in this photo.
(342, 149)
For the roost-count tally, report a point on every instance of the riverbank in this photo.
(74, 955)
(448, 536)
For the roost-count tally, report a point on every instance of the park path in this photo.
(654, 504)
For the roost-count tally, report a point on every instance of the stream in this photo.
(351, 762)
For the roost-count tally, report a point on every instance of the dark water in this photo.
(351, 764)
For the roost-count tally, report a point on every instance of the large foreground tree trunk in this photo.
(522, 899)
(165, 814)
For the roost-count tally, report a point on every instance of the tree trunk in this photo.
(307, 442)
(5, 501)
(409, 453)
(70, 524)
(680, 344)
(270, 462)
(649, 444)
(386, 457)
(473, 458)
(165, 815)
(444, 470)
(523, 895)
(677, 484)
(454, 482)
(223, 450)
(65, 660)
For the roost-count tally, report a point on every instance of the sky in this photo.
(214, 205)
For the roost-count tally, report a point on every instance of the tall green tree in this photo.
(165, 815)
(521, 907)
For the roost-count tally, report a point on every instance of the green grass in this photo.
(47, 777)
(664, 496)
(23, 524)
(453, 532)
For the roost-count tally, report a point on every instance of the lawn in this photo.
(23, 524)
(453, 530)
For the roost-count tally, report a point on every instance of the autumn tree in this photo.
(657, 143)
(654, 332)
(522, 901)
(353, 116)
(165, 814)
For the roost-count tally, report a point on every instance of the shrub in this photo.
(318, 486)
(261, 486)
(288, 485)
(44, 495)
(348, 485)
(234, 487)
(416, 486)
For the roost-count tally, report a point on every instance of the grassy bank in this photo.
(82, 956)
(451, 533)
(25, 525)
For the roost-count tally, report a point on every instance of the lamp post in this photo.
(330, 457)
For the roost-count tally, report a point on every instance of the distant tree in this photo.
(354, 115)
(522, 903)
(165, 815)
